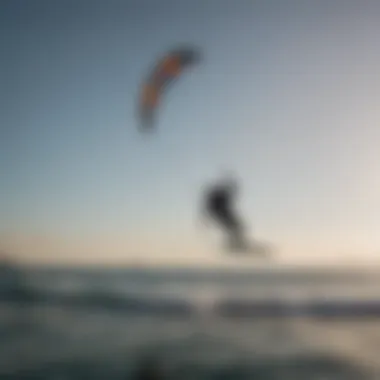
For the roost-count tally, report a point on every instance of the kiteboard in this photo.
(253, 248)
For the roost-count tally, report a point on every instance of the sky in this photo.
(286, 96)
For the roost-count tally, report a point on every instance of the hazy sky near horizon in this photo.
(287, 96)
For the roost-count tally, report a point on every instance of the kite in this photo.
(168, 69)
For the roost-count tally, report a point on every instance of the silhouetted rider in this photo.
(219, 205)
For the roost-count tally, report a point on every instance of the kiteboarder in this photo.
(219, 206)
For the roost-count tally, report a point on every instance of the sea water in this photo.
(96, 324)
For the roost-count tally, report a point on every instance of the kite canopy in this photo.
(165, 71)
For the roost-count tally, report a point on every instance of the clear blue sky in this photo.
(287, 96)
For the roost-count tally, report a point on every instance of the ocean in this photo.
(65, 323)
